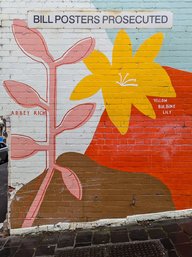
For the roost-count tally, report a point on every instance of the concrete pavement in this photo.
(174, 236)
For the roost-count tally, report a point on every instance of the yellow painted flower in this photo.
(128, 80)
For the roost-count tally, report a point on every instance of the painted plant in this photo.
(33, 45)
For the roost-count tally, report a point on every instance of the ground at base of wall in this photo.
(175, 236)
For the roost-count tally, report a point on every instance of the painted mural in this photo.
(128, 80)
(135, 156)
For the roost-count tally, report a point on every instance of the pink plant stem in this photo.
(51, 152)
(52, 115)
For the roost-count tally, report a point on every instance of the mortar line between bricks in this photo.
(92, 237)
(177, 252)
(4, 243)
(128, 235)
(74, 242)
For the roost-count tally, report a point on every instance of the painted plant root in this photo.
(33, 45)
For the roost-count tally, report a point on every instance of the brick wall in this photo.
(123, 151)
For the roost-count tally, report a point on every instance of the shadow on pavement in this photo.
(3, 190)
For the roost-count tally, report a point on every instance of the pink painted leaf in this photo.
(77, 52)
(76, 117)
(71, 181)
(22, 93)
(31, 42)
(23, 147)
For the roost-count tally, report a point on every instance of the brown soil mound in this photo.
(107, 193)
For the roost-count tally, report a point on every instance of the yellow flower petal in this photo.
(118, 109)
(144, 106)
(87, 87)
(128, 81)
(149, 50)
(153, 80)
(122, 50)
(97, 63)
